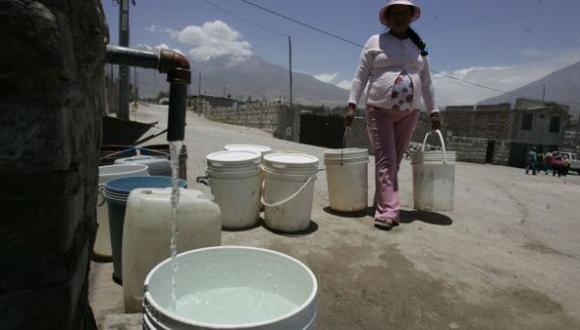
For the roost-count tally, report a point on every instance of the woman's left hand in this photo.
(435, 121)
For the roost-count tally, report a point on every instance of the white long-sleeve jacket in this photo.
(383, 58)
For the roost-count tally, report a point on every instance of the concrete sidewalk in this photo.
(507, 257)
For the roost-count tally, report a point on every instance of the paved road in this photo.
(508, 256)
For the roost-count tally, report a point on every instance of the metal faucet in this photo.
(177, 68)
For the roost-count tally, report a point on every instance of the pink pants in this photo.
(390, 133)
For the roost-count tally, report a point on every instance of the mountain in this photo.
(561, 86)
(248, 77)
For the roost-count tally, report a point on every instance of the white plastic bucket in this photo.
(289, 190)
(347, 178)
(155, 165)
(262, 150)
(434, 178)
(102, 249)
(235, 182)
(232, 287)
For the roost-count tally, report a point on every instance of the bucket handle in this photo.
(287, 199)
(100, 195)
(440, 139)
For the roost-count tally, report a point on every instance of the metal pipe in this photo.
(178, 71)
(123, 110)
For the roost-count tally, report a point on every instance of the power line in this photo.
(332, 35)
(302, 23)
(244, 19)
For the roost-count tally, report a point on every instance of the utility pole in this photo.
(199, 93)
(123, 111)
(544, 94)
(135, 85)
(295, 115)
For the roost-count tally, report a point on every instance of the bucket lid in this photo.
(290, 160)
(123, 186)
(233, 158)
(141, 159)
(345, 153)
(108, 171)
(249, 147)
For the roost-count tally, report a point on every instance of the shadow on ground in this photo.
(369, 211)
(312, 228)
(431, 218)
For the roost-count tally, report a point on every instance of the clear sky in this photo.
(501, 43)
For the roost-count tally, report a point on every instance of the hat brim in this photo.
(383, 10)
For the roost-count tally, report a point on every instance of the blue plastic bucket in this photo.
(116, 194)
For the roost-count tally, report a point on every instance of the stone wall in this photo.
(501, 153)
(468, 149)
(262, 115)
(51, 77)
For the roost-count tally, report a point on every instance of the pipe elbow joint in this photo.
(176, 65)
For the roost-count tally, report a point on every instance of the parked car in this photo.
(575, 163)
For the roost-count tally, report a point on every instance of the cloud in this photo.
(344, 84)
(152, 28)
(326, 77)
(332, 78)
(160, 46)
(212, 39)
(505, 78)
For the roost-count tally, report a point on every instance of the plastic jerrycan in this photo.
(147, 233)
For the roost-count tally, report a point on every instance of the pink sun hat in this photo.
(399, 2)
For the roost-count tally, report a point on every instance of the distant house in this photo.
(497, 134)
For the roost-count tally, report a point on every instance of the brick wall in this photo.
(494, 107)
(494, 125)
(460, 108)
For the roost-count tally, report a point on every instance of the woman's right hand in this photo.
(349, 115)
(435, 121)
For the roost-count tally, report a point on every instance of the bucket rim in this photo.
(345, 151)
(241, 157)
(137, 168)
(310, 300)
(248, 147)
(346, 162)
(307, 159)
(154, 181)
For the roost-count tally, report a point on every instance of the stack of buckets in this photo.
(116, 194)
(288, 190)
(235, 182)
(347, 172)
(157, 166)
(434, 177)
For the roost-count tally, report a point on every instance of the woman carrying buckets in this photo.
(397, 64)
